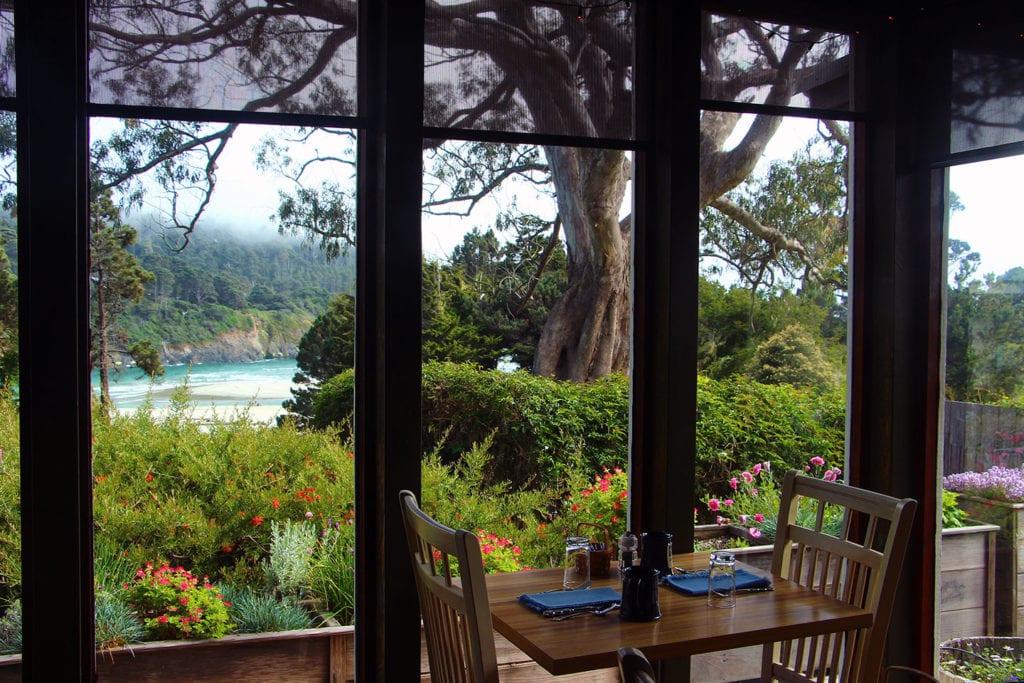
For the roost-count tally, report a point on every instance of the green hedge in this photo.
(539, 425)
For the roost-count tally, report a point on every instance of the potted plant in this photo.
(996, 496)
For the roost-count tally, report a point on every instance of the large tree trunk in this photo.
(587, 331)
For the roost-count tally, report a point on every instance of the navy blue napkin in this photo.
(583, 597)
(696, 583)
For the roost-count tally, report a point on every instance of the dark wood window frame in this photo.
(897, 262)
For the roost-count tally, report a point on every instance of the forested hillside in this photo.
(244, 293)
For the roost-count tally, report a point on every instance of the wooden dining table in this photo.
(687, 626)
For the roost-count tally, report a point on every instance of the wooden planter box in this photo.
(967, 576)
(967, 581)
(1009, 575)
(309, 655)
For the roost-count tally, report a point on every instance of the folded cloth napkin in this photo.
(583, 597)
(696, 583)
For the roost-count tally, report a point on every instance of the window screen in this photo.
(224, 54)
(759, 62)
(987, 100)
(530, 66)
(6, 53)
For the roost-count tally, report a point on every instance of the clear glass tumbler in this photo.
(722, 579)
(577, 563)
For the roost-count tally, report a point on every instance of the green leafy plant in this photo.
(10, 629)
(603, 500)
(332, 571)
(291, 552)
(952, 515)
(259, 612)
(174, 604)
(116, 622)
(982, 663)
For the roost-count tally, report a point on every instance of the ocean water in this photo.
(261, 383)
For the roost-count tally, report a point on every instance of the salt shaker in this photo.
(722, 579)
(627, 551)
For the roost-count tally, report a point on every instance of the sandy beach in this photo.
(260, 400)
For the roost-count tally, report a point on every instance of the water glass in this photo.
(577, 563)
(722, 579)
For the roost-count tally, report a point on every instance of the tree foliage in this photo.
(117, 281)
(791, 356)
(529, 66)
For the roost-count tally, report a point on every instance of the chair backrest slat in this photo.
(456, 616)
(860, 565)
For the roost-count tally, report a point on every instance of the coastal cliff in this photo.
(258, 342)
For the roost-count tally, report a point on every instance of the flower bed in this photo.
(996, 496)
(981, 659)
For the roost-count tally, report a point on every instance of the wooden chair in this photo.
(860, 565)
(634, 666)
(456, 617)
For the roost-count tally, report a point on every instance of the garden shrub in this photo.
(538, 423)
(740, 422)
(203, 495)
(10, 495)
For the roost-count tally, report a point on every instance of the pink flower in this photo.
(743, 519)
(747, 477)
(817, 461)
(767, 465)
(734, 482)
(753, 492)
(758, 518)
(713, 505)
(728, 501)
(756, 469)
(829, 475)
(309, 515)
(721, 520)
(755, 532)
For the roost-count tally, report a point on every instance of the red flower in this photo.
(149, 476)
(275, 503)
(256, 521)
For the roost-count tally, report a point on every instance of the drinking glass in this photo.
(722, 579)
(577, 563)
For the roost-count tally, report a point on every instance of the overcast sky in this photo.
(991, 191)
(991, 223)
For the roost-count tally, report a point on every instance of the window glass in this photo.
(10, 442)
(531, 67)
(761, 62)
(772, 329)
(7, 74)
(222, 303)
(985, 107)
(983, 423)
(526, 328)
(225, 54)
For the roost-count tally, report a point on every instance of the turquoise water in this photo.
(264, 383)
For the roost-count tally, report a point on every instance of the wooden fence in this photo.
(978, 436)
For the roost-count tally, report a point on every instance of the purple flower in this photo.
(998, 483)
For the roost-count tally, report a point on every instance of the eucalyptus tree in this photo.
(524, 66)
